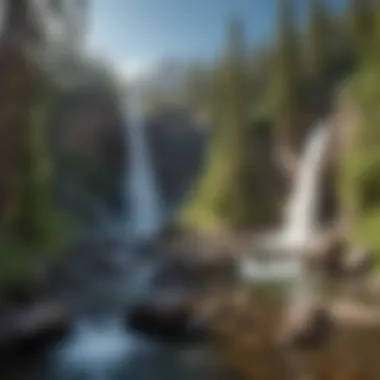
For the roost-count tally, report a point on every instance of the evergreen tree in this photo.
(32, 222)
(222, 195)
(236, 132)
(288, 76)
(363, 29)
(318, 41)
(360, 171)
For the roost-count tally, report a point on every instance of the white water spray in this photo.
(146, 209)
(96, 350)
(300, 224)
(300, 230)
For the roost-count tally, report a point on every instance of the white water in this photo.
(144, 198)
(300, 230)
(301, 222)
(95, 349)
(96, 352)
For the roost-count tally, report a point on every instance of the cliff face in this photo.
(268, 192)
(90, 148)
(178, 145)
(18, 94)
(85, 122)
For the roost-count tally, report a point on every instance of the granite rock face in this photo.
(178, 146)
(90, 150)
(41, 43)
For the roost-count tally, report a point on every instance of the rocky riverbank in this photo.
(243, 320)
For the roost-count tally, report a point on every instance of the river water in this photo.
(99, 346)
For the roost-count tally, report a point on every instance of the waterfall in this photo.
(300, 230)
(97, 350)
(143, 194)
(300, 223)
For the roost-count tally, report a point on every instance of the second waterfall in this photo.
(143, 195)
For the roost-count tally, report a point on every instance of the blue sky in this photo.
(136, 33)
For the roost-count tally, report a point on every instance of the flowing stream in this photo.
(300, 224)
(300, 229)
(100, 347)
(145, 201)
(299, 232)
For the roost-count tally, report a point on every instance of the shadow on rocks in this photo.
(313, 333)
(175, 324)
(29, 324)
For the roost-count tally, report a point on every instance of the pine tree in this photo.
(363, 29)
(318, 40)
(222, 195)
(237, 128)
(235, 86)
(34, 190)
(288, 77)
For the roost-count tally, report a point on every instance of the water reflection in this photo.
(95, 351)
(111, 353)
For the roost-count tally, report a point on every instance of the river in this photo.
(99, 346)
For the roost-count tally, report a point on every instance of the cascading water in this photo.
(102, 348)
(146, 209)
(96, 352)
(300, 229)
(300, 224)
(298, 234)
(97, 348)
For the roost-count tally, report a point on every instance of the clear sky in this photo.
(136, 33)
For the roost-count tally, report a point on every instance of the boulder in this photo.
(339, 261)
(170, 324)
(328, 254)
(22, 295)
(359, 262)
(176, 272)
(26, 332)
(313, 331)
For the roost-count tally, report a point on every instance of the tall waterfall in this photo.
(104, 350)
(143, 194)
(300, 223)
(300, 229)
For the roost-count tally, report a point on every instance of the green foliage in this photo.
(361, 168)
(288, 77)
(34, 230)
(363, 26)
(319, 40)
(269, 92)
(98, 181)
(225, 194)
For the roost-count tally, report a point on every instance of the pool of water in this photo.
(100, 347)
(106, 351)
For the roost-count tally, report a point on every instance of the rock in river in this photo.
(313, 331)
(27, 331)
(170, 324)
